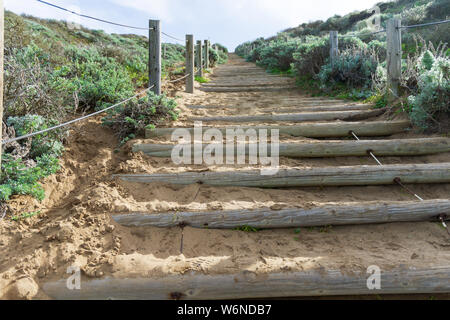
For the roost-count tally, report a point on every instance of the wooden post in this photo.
(199, 58)
(334, 46)
(164, 51)
(394, 57)
(1, 75)
(154, 46)
(206, 54)
(190, 63)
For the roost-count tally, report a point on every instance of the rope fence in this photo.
(4, 142)
(73, 121)
(154, 68)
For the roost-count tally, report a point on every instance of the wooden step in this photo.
(236, 84)
(311, 130)
(281, 109)
(319, 149)
(297, 117)
(332, 214)
(248, 89)
(312, 177)
(247, 285)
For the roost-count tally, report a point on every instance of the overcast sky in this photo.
(229, 22)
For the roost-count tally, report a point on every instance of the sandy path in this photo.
(75, 225)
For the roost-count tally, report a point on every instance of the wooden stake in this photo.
(206, 54)
(2, 11)
(394, 57)
(199, 58)
(155, 56)
(334, 46)
(190, 72)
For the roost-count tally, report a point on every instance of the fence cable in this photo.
(396, 180)
(362, 35)
(172, 37)
(424, 24)
(106, 21)
(93, 18)
(179, 79)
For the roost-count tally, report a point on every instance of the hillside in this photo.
(55, 71)
(359, 72)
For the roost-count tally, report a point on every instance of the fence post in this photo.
(199, 58)
(394, 57)
(1, 76)
(334, 46)
(154, 57)
(206, 54)
(190, 63)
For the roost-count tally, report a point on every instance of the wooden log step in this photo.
(312, 130)
(297, 117)
(294, 110)
(311, 177)
(249, 89)
(236, 84)
(247, 285)
(320, 149)
(332, 214)
(322, 108)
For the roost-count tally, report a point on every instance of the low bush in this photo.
(98, 80)
(353, 68)
(278, 54)
(432, 99)
(27, 161)
(311, 55)
(132, 119)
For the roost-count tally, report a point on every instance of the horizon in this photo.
(179, 18)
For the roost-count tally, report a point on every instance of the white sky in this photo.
(229, 22)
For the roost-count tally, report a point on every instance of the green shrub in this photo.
(311, 55)
(98, 80)
(29, 85)
(352, 67)
(140, 114)
(278, 54)
(48, 143)
(27, 161)
(18, 177)
(221, 47)
(432, 99)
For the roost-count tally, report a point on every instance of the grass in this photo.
(26, 215)
(247, 229)
(201, 79)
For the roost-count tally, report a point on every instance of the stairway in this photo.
(327, 180)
